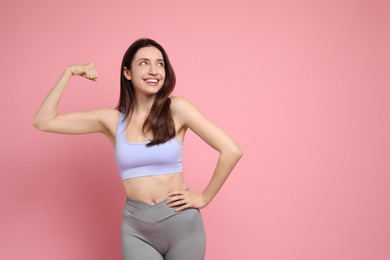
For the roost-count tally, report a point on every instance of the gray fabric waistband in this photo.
(149, 213)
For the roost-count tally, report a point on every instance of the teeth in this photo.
(152, 80)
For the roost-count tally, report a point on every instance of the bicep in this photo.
(77, 123)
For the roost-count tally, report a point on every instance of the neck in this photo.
(143, 104)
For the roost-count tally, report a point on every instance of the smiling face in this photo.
(147, 71)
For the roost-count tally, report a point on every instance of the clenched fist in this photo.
(87, 70)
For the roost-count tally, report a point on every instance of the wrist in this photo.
(69, 72)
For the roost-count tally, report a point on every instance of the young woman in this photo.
(161, 219)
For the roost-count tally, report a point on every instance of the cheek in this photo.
(162, 72)
(138, 73)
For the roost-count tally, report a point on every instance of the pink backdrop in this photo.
(303, 86)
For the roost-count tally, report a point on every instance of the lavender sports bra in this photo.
(138, 160)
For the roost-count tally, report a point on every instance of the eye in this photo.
(161, 64)
(143, 63)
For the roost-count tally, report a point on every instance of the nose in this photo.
(152, 70)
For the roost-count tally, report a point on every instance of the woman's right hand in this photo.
(87, 70)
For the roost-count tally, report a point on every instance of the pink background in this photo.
(303, 86)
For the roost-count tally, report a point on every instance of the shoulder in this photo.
(187, 113)
(106, 116)
(180, 109)
(179, 103)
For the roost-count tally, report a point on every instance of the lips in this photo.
(152, 80)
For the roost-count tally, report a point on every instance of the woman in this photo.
(161, 218)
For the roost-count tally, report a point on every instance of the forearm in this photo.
(226, 163)
(48, 109)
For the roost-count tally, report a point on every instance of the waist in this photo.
(153, 189)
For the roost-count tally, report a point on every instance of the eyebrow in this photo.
(149, 59)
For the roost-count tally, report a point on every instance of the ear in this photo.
(126, 73)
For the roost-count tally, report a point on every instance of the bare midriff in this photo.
(153, 189)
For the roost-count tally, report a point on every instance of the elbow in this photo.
(38, 124)
(35, 123)
(238, 153)
(235, 153)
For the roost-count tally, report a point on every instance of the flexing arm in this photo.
(229, 154)
(47, 118)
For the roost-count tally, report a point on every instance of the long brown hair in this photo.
(159, 120)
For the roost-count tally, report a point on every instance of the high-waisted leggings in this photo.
(158, 232)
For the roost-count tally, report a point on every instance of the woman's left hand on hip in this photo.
(184, 199)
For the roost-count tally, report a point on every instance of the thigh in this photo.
(192, 242)
(134, 248)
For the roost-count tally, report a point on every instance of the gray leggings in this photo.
(157, 232)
